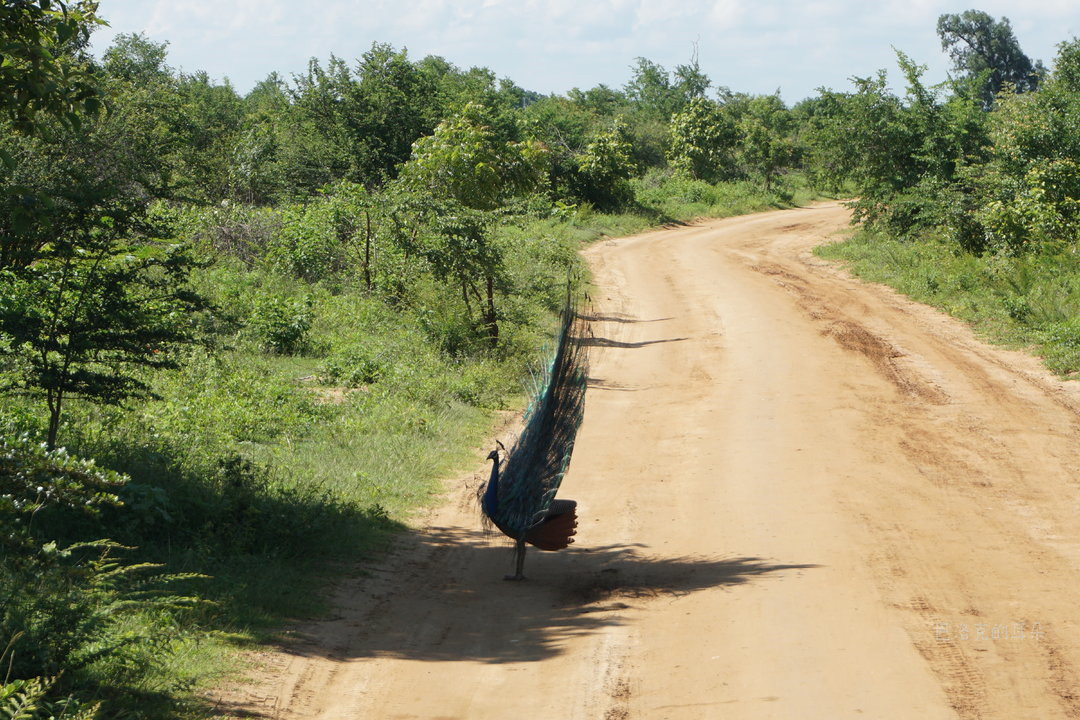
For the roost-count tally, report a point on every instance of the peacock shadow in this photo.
(609, 343)
(448, 602)
(619, 318)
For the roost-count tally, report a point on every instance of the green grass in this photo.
(1029, 301)
(670, 198)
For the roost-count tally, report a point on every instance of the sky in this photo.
(551, 46)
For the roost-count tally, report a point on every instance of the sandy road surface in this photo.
(801, 497)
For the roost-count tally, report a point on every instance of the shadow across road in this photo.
(447, 601)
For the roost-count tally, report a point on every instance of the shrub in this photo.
(354, 368)
(282, 324)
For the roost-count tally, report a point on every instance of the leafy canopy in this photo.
(986, 52)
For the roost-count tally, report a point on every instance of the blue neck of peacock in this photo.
(490, 503)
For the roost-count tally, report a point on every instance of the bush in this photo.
(282, 324)
(354, 368)
(307, 246)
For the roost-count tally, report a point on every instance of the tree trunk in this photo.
(55, 399)
(367, 250)
(465, 297)
(491, 319)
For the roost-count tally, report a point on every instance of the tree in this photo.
(986, 52)
(651, 91)
(386, 110)
(465, 160)
(1067, 66)
(146, 120)
(690, 81)
(656, 94)
(45, 86)
(604, 167)
(210, 117)
(135, 58)
(315, 147)
(356, 215)
(600, 100)
(765, 132)
(562, 126)
(1028, 187)
(82, 304)
(703, 140)
(79, 321)
(187, 129)
(469, 173)
(901, 155)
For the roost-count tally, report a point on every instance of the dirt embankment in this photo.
(801, 496)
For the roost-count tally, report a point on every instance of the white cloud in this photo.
(724, 14)
(553, 45)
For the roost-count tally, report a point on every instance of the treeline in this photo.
(193, 140)
(273, 319)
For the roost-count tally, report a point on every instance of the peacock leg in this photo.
(519, 556)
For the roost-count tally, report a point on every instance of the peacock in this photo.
(519, 498)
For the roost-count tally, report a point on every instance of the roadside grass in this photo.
(671, 198)
(1026, 301)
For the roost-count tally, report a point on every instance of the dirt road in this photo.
(801, 496)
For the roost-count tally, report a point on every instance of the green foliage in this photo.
(604, 168)
(387, 109)
(282, 324)
(306, 245)
(468, 172)
(383, 243)
(29, 700)
(903, 155)
(43, 486)
(1027, 188)
(657, 94)
(1066, 75)
(674, 197)
(703, 141)
(766, 138)
(134, 58)
(236, 231)
(63, 608)
(354, 368)
(42, 77)
(985, 52)
(66, 609)
(79, 320)
(563, 128)
(465, 161)
(1044, 210)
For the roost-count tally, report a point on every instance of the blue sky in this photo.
(553, 45)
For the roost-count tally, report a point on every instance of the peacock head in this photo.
(494, 454)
